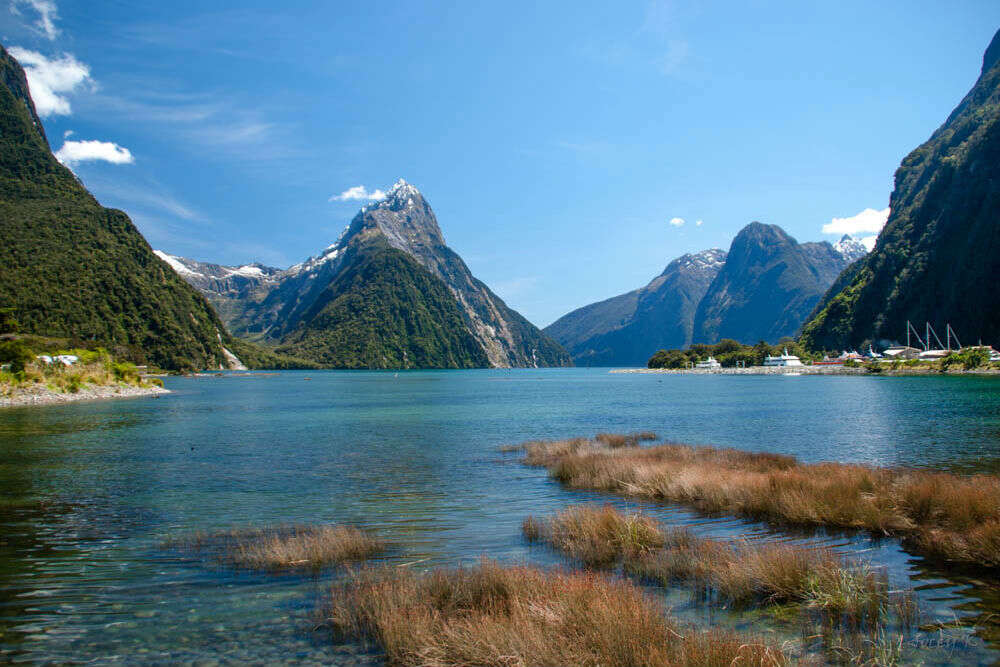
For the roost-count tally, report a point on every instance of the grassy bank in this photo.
(940, 515)
(495, 615)
(24, 373)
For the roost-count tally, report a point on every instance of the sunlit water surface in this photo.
(90, 492)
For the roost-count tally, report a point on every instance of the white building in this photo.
(784, 360)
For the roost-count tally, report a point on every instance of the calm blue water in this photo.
(89, 492)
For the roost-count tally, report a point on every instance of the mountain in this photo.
(851, 249)
(938, 256)
(389, 293)
(71, 268)
(625, 330)
(225, 287)
(767, 287)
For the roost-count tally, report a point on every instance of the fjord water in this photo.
(90, 493)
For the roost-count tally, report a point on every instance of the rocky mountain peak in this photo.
(850, 248)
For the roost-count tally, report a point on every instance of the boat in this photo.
(785, 360)
(710, 363)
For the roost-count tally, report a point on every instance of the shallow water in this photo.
(89, 492)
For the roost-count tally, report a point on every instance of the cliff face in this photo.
(938, 256)
(625, 330)
(401, 236)
(71, 268)
(767, 287)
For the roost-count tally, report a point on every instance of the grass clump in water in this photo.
(941, 515)
(597, 536)
(287, 547)
(496, 615)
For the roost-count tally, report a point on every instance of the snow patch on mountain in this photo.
(850, 248)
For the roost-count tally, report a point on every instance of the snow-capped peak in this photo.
(850, 248)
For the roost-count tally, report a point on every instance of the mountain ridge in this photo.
(940, 245)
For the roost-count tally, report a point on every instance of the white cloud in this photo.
(868, 220)
(74, 152)
(699, 223)
(359, 193)
(47, 15)
(50, 80)
(869, 242)
(676, 222)
(68, 133)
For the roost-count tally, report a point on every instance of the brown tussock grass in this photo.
(739, 572)
(510, 616)
(597, 536)
(287, 547)
(942, 515)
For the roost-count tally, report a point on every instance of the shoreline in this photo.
(42, 396)
(804, 370)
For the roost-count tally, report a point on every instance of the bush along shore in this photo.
(942, 516)
(61, 376)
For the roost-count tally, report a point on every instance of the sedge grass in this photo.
(505, 616)
(287, 547)
(940, 515)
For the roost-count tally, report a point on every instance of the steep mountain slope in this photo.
(938, 256)
(316, 307)
(625, 330)
(71, 268)
(767, 287)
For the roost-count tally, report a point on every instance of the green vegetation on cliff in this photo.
(385, 310)
(937, 258)
(71, 268)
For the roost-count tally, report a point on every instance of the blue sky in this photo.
(555, 141)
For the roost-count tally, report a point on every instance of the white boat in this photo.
(711, 363)
(784, 360)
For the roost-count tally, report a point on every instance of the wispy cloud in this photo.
(148, 197)
(47, 15)
(699, 223)
(75, 152)
(359, 193)
(51, 80)
(515, 287)
(676, 222)
(867, 221)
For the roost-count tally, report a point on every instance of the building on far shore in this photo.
(902, 352)
(784, 360)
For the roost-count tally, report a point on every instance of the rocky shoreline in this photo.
(40, 395)
(806, 370)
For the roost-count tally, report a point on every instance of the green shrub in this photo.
(15, 353)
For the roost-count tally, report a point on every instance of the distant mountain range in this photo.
(388, 294)
(71, 268)
(938, 257)
(762, 289)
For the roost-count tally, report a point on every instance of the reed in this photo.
(941, 515)
(286, 547)
(495, 615)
